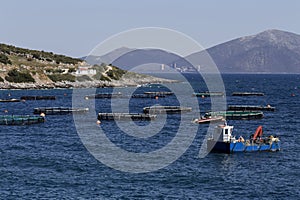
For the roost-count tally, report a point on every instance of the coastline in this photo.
(86, 84)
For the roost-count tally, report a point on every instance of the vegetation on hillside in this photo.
(16, 76)
(20, 65)
(62, 77)
(4, 59)
(38, 55)
(115, 73)
(108, 72)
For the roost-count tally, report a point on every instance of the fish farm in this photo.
(160, 93)
(103, 96)
(208, 94)
(249, 108)
(125, 116)
(38, 98)
(59, 110)
(20, 119)
(151, 96)
(248, 94)
(236, 115)
(9, 100)
(166, 109)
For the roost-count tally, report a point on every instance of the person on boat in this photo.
(241, 139)
(251, 136)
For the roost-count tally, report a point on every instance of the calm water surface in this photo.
(49, 160)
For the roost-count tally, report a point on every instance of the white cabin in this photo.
(85, 71)
(223, 133)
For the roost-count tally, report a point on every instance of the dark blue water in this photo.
(49, 160)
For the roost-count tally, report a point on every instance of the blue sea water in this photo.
(49, 160)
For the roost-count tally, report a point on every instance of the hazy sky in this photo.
(75, 27)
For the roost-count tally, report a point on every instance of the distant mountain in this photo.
(271, 51)
(128, 59)
(140, 57)
(107, 58)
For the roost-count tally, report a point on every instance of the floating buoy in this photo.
(6, 111)
(98, 122)
(86, 98)
(292, 94)
(42, 115)
(156, 97)
(65, 94)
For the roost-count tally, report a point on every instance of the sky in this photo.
(74, 28)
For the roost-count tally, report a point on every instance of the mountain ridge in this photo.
(270, 51)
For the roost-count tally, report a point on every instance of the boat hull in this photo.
(230, 147)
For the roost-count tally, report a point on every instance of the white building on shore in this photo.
(85, 71)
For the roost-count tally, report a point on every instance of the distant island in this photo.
(32, 69)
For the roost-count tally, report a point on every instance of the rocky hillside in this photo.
(23, 68)
(271, 51)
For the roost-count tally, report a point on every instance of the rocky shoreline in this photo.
(85, 84)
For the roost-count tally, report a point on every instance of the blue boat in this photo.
(223, 141)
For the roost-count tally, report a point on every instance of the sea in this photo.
(74, 157)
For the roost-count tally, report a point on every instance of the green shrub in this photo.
(116, 73)
(62, 77)
(1, 79)
(4, 59)
(72, 69)
(19, 77)
(49, 70)
(104, 78)
(83, 78)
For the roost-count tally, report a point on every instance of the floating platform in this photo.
(38, 98)
(249, 108)
(223, 141)
(59, 110)
(160, 93)
(236, 115)
(208, 94)
(166, 109)
(104, 96)
(9, 100)
(20, 119)
(126, 116)
(248, 94)
(149, 96)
